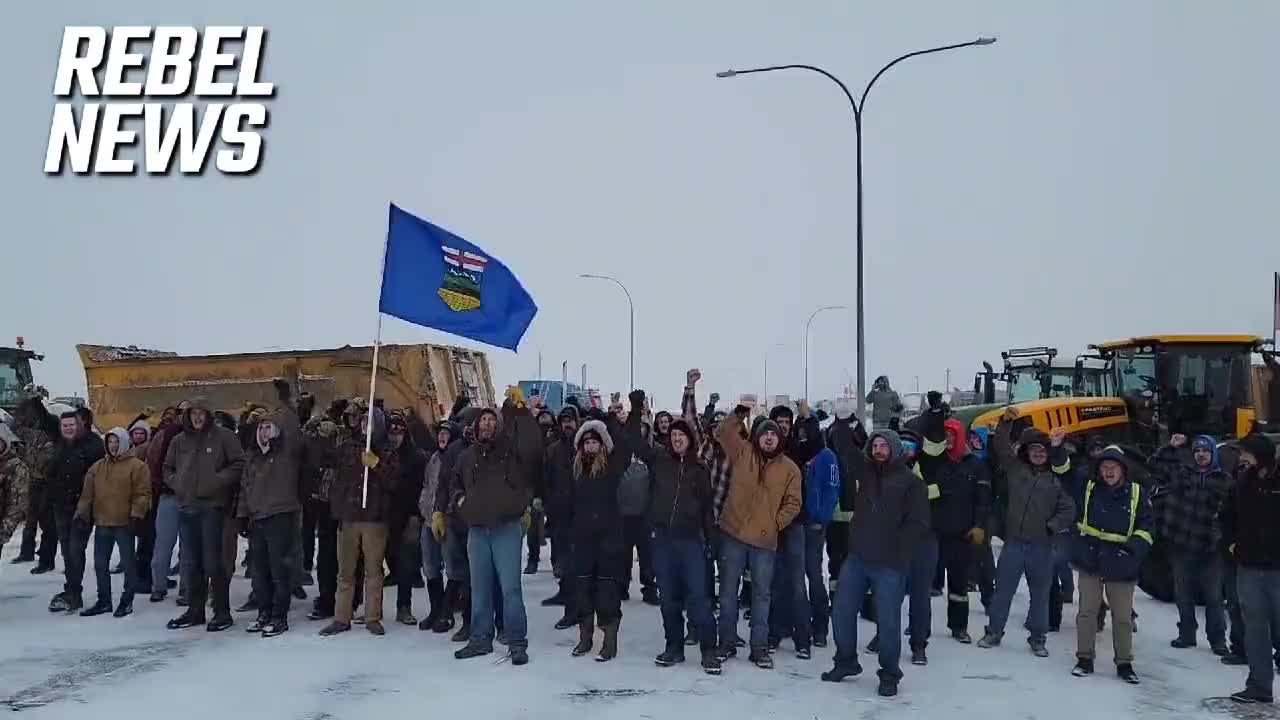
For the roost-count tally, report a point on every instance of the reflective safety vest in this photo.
(1135, 496)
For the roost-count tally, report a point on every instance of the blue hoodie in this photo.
(821, 488)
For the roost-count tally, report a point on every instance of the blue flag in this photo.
(438, 280)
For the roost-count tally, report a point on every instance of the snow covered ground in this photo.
(70, 668)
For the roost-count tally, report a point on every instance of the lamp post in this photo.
(858, 106)
(764, 401)
(807, 324)
(632, 308)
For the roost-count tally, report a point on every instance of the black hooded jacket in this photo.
(679, 489)
(66, 470)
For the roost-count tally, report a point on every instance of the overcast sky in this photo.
(1106, 169)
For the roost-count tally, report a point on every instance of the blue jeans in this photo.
(682, 584)
(735, 558)
(1259, 592)
(924, 565)
(888, 587)
(432, 554)
(106, 539)
(1017, 559)
(495, 552)
(1193, 573)
(166, 539)
(789, 611)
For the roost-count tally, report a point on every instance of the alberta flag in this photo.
(434, 278)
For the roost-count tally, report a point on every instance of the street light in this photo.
(764, 401)
(858, 106)
(632, 307)
(806, 345)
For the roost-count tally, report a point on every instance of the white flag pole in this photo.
(373, 373)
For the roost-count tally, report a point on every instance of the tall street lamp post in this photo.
(858, 106)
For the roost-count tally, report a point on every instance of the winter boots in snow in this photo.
(888, 685)
(918, 656)
(1125, 672)
(464, 605)
(760, 658)
(473, 650)
(126, 605)
(711, 664)
(334, 628)
(1083, 668)
(609, 648)
(586, 636)
(673, 655)
(259, 623)
(990, 640)
(66, 602)
(435, 596)
(102, 607)
(404, 616)
(279, 626)
(1038, 648)
(191, 618)
(452, 600)
(842, 669)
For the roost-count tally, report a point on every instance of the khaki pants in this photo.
(352, 539)
(1120, 598)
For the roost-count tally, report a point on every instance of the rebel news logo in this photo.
(138, 87)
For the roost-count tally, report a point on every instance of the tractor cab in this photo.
(1191, 384)
(15, 374)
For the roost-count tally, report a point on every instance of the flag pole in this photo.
(373, 374)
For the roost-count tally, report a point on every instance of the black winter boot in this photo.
(126, 605)
(609, 648)
(464, 605)
(586, 636)
(435, 596)
(101, 607)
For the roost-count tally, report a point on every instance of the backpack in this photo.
(633, 489)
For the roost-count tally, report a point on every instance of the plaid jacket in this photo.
(709, 452)
(1186, 501)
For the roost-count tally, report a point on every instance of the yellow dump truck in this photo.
(428, 378)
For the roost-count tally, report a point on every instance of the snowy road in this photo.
(70, 668)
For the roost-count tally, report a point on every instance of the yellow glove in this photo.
(977, 536)
(516, 395)
(526, 520)
(369, 459)
(438, 526)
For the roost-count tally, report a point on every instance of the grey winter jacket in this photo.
(1036, 505)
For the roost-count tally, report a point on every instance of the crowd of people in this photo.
(729, 515)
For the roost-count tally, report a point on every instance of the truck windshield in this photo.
(1203, 385)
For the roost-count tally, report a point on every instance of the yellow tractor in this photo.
(1155, 385)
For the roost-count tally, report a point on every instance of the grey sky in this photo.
(1106, 169)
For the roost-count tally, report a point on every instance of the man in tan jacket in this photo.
(115, 499)
(764, 497)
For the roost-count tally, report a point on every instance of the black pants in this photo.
(200, 532)
(837, 547)
(636, 535)
(404, 551)
(73, 538)
(956, 558)
(984, 569)
(274, 555)
(39, 517)
(311, 510)
(562, 555)
(599, 581)
(105, 540)
(327, 558)
(533, 538)
(146, 548)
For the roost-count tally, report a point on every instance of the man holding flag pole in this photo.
(433, 278)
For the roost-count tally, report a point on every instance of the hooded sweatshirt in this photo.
(269, 484)
(891, 507)
(680, 487)
(494, 478)
(1249, 522)
(15, 484)
(1188, 496)
(1036, 507)
(765, 494)
(203, 466)
(117, 488)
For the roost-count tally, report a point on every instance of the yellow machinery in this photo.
(124, 380)
(1194, 384)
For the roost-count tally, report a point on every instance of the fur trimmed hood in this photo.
(593, 427)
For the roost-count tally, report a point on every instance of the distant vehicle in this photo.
(555, 393)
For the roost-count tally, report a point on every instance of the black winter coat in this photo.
(679, 491)
(595, 518)
(64, 477)
(1249, 522)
